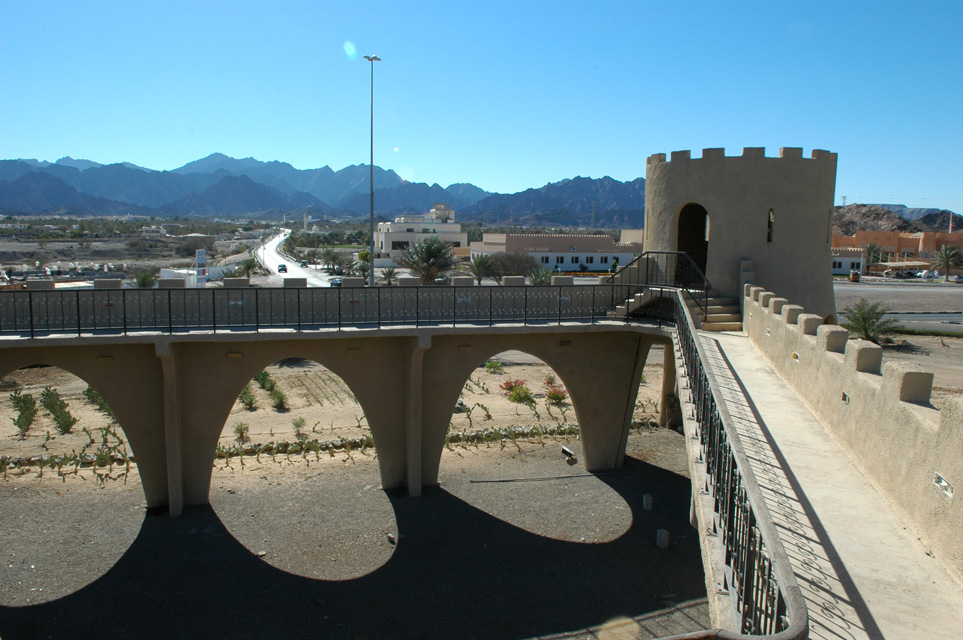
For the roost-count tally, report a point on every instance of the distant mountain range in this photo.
(221, 185)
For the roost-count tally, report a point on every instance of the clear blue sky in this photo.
(505, 95)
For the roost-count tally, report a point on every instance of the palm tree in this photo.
(146, 279)
(866, 321)
(429, 259)
(540, 277)
(948, 256)
(329, 257)
(247, 267)
(874, 254)
(388, 276)
(479, 267)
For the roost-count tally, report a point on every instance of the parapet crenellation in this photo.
(880, 411)
(719, 153)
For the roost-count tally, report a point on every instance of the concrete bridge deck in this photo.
(863, 571)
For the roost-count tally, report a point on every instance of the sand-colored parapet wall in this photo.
(880, 412)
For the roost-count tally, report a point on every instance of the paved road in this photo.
(930, 321)
(271, 259)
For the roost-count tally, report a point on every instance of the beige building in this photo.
(392, 238)
(770, 219)
(567, 252)
(900, 246)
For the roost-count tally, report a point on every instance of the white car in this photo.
(926, 275)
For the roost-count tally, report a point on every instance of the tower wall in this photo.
(738, 193)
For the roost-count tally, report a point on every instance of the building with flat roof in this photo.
(391, 239)
(567, 252)
(900, 245)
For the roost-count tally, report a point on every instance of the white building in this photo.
(392, 238)
(846, 260)
(562, 252)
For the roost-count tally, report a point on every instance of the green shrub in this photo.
(247, 398)
(279, 399)
(52, 402)
(26, 407)
(495, 367)
(240, 431)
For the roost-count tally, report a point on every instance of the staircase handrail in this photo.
(704, 286)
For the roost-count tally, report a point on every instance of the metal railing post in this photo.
(30, 309)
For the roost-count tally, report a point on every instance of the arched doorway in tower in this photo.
(693, 233)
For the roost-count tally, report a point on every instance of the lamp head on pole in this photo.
(372, 58)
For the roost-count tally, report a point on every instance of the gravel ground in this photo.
(514, 543)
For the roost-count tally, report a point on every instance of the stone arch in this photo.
(692, 233)
(378, 390)
(130, 381)
(584, 363)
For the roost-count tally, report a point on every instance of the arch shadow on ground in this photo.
(456, 572)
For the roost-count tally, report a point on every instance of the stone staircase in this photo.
(722, 312)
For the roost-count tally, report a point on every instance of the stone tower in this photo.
(748, 218)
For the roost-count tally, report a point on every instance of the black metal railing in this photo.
(672, 269)
(171, 310)
(765, 596)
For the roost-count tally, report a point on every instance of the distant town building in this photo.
(393, 238)
(897, 246)
(153, 232)
(567, 252)
(847, 260)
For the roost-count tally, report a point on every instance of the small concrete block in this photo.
(753, 152)
(818, 154)
(604, 280)
(172, 283)
(408, 281)
(908, 381)
(809, 322)
(462, 281)
(655, 158)
(776, 304)
(513, 281)
(764, 299)
(563, 281)
(681, 155)
(237, 283)
(755, 292)
(295, 283)
(108, 283)
(791, 152)
(352, 282)
(832, 338)
(863, 355)
(662, 538)
(713, 154)
(790, 313)
(39, 285)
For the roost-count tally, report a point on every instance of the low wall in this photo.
(881, 413)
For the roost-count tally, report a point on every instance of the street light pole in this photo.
(371, 280)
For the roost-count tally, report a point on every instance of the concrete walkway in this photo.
(864, 573)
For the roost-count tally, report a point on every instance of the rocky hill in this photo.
(873, 217)
(869, 217)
